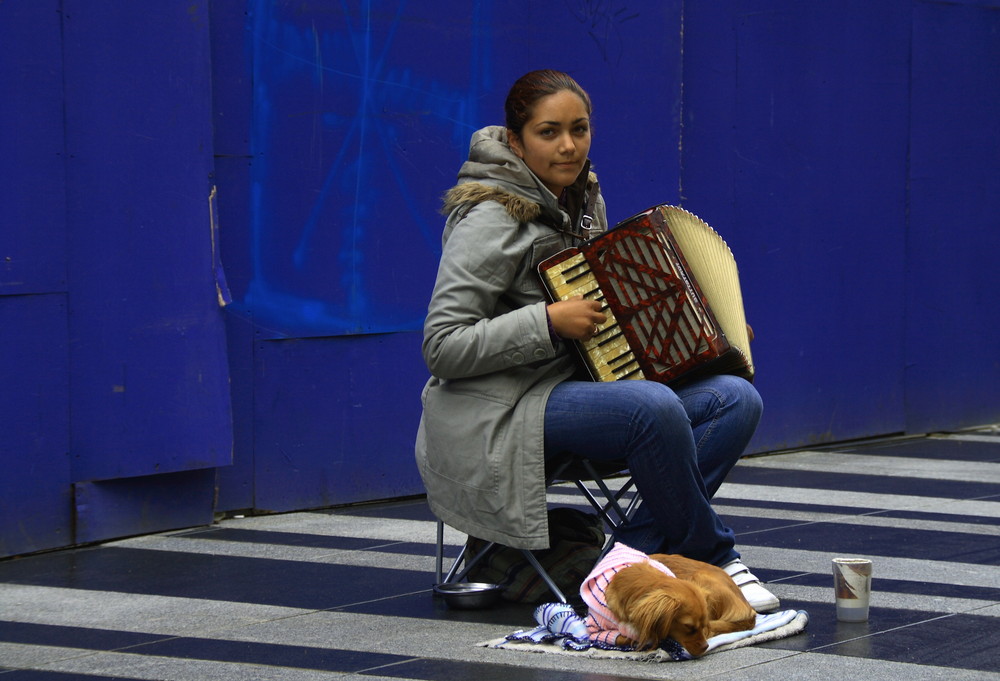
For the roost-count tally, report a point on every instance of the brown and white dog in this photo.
(639, 600)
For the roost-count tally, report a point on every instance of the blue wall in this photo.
(358, 121)
(170, 352)
(796, 143)
(115, 407)
(851, 151)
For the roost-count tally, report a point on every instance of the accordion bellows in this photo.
(670, 288)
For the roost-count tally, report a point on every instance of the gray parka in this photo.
(486, 342)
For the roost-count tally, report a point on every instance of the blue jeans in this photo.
(679, 445)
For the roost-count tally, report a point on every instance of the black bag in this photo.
(575, 542)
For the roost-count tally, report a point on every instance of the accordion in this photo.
(670, 289)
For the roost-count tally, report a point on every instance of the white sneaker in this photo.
(760, 599)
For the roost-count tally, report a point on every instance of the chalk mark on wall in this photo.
(345, 132)
(603, 20)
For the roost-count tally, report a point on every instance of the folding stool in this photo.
(569, 468)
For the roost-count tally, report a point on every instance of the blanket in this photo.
(561, 630)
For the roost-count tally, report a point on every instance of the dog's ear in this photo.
(652, 615)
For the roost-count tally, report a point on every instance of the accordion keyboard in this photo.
(607, 354)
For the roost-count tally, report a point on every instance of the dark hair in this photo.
(531, 87)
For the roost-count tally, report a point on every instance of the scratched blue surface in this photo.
(345, 122)
(361, 117)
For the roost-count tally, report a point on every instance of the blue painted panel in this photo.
(361, 119)
(148, 357)
(353, 142)
(794, 150)
(232, 90)
(952, 312)
(32, 236)
(345, 122)
(143, 505)
(336, 420)
(236, 482)
(35, 505)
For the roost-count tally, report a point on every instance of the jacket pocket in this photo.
(465, 438)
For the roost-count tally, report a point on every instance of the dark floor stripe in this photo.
(962, 547)
(295, 584)
(831, 537)
(49, 675)
(272, 654)
(911, 636)
(278, 538)
(904, 587)
(937, 449)
(417, 549)
(190, 648)
(269, 654)
(61, 636)
(409, 509)
(447, 670)
(318, 541)
(863, 484)
(970, 644)
(795, 507)
(943, 517)
(506, 616)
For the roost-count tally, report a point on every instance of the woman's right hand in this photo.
(576, 318)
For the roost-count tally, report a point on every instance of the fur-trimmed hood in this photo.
(494, 173)
(472, 193)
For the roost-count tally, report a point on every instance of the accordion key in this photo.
(669, 287)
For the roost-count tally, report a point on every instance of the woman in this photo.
(506, 392)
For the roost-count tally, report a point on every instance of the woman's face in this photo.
(555, 141)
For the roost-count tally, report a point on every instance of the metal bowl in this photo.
(469, 595)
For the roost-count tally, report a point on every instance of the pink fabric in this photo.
(601, 623)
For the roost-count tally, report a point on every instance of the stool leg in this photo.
(544, 575)
(440, 552)
(462, 557)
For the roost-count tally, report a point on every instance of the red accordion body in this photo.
(670, 289)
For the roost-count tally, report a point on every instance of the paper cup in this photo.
(852, 583)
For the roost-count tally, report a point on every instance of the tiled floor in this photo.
(345, 594)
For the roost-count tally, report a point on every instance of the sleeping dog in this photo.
(638, 600)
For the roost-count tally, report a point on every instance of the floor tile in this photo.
(346, 593)
(959, 641)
